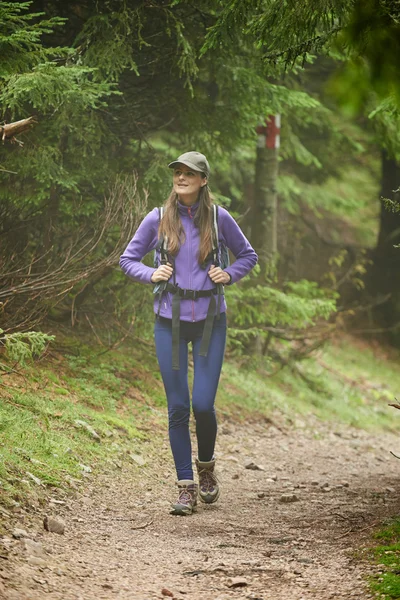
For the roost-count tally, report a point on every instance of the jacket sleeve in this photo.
(238, 244)
(144, 240)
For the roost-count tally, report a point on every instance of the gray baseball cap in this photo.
(193, 160)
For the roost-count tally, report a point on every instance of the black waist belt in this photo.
(183, 294)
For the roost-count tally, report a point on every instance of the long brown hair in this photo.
(171, 225)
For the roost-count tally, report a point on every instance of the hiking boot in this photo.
(208, 482)
(187, 498)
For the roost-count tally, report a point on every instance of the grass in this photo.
(387, 584)
(42, 447)
(342, 384)
(120, 394)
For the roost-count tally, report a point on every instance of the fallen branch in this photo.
(395, 405)
(10, 130)
(354, 530)
(143, 526)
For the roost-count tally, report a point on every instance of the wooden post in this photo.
(264, 221)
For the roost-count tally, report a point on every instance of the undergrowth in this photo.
(387, 583)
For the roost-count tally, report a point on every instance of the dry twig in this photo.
(27, 294)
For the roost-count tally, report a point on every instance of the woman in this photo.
(190, 307)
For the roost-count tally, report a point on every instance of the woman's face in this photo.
(187, 183)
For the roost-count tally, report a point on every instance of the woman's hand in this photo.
(163, 273)
(217, 275)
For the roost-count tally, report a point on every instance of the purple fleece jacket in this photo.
(188, 273)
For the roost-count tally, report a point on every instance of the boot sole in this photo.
(208, 499)
(182, 510)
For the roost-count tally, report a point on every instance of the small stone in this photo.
(306, 561)
(315, 482)
(34, 548)
(138, 459)
(286, 498)
(88, 428)
(390, 490)
(289, 575)
(166, 592)
(237, 582)
(54, 525)
(36, 561)
(85, 468)
(232, 459)
(253, 467)
(345, 484)
(235, 476)
(260, 495)
(34, 478)
(280, 540)
(107, 586)
(326, 489)
(19, 533)
(325, 485)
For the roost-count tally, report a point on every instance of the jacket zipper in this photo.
(190, 258)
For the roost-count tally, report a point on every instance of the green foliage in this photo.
(50, 87)
(366, 31)
(387, 584)
(264, 305)
(262, 312)
(21, 33)
(23, 347)
(297, 29)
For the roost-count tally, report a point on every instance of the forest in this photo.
(114, 94)
(296, 106)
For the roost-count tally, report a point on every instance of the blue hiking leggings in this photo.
(207, 370)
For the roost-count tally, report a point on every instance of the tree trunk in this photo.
(384, 276)
(264, 213)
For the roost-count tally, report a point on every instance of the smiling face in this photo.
(188, 183)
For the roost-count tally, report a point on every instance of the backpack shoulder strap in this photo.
(215, 249)
(163, 242)
(215, 223)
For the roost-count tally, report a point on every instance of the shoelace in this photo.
(208, 479)
(185, 497)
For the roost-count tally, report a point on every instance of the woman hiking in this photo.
(189, 279)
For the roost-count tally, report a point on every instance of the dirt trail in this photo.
(284, 551)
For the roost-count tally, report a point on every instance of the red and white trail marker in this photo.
(269, 132)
